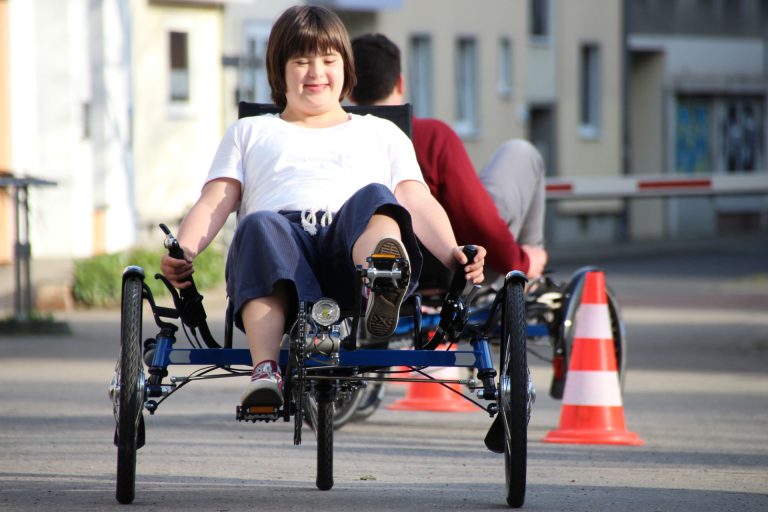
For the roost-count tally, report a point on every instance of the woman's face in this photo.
(314, 82)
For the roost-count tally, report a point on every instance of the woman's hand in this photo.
(177, 270)
(473, 269)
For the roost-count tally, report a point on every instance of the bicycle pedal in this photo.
(255, 413)
(388, 269)
(386, 261)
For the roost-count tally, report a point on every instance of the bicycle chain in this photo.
(298, 356)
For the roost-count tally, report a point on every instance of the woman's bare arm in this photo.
(218, 199)
(431, 225)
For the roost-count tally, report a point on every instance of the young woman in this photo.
(316, 191)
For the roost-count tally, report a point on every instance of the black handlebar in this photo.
(453, 315)
(174, 249)
(190, 304)
(459, 282)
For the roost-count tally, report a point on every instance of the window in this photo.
(254, 85)
(740, 122)
(719, 133)
(539, 18)
(179, 59)
(420, 75)
(589, 116)
(504, 68)
(466, 87)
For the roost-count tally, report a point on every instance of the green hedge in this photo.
(97, 280)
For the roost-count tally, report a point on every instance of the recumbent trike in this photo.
(322, 361)
(550, 311)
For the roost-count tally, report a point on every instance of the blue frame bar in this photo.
(536, 330)
(479, 357)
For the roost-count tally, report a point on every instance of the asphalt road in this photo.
(696, 393)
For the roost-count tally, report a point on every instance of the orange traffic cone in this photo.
(431, 396)
(592, 411)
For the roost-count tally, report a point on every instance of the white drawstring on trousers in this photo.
(309, 220)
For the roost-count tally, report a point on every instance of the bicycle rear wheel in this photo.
(514, 392)
(130, 396)
(564, 345)
(344, 409)
(370, 399)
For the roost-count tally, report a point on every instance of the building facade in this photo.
(118, 102)
(122, 102)
(698, 81)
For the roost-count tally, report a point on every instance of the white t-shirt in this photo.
(282, 166)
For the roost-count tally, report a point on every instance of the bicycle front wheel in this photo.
(324, 432)
(130, 396)
(514, 392)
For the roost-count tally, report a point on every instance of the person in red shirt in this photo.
(501, 208)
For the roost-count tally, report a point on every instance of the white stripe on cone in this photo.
(592, 388)
(593, 321)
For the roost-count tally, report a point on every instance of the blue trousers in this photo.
(270, 247)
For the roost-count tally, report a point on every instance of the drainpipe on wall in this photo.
(626, 149)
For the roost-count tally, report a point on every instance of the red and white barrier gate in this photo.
(656, 186)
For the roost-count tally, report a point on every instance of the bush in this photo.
(97, 280)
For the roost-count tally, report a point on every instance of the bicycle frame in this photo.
(165, 355)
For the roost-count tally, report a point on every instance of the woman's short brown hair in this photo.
(306, 30)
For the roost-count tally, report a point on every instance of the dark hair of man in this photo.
(306, 30)
(377, 66)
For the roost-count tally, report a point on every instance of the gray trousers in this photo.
(515, 179)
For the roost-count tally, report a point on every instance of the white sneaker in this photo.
(383, 309)
(265, 388)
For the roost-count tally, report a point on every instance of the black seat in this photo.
(401, 115)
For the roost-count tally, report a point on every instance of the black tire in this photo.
(514, 392)
(131, 394)
(618, 330)
(619, 337)
(324, 433)
(370, 399)
(344, 409)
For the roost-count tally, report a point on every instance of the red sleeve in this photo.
(452, 178)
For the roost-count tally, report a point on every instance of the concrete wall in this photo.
(237, 18)
(108, 90)
(499, 118)
(173, 143)
(647, 137)
(580, 153)
(49, 85)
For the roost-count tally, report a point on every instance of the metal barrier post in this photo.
(22, 247)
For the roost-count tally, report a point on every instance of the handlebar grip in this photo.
(174, 249)
(459, 281)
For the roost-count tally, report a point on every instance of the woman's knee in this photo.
(375, 188)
